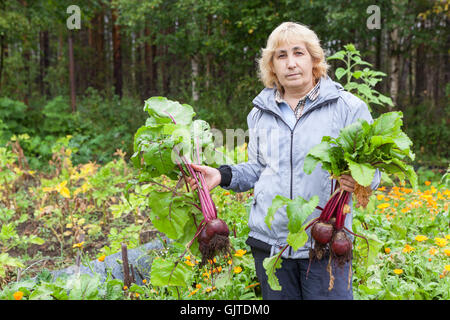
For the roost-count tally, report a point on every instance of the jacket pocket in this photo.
(257, 197)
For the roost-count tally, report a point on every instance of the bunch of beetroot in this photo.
(212, 233)
(329, 233)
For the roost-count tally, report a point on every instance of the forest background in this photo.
(90, 82)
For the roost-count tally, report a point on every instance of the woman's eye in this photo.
(299, 52)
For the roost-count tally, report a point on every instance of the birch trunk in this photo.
(194, 68)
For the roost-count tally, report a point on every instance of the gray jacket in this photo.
(276, 153)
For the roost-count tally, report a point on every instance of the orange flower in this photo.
(240, 253)
(407, 248)
(18, 295)
(427, 183)
(237, 269)
(441, 242)
(387, 250)
(101, 258)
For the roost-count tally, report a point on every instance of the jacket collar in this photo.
(329, 90)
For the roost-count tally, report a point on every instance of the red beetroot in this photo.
(213, 239)
(322, 232)
(217, 226)
(341, 244)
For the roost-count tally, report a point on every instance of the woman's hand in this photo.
(212, 177)
(347, 183)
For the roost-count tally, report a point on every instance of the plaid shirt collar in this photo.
(312, 95)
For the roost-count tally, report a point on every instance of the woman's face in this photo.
(293, 66)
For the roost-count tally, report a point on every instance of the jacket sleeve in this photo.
(359, 110)
(244, 175)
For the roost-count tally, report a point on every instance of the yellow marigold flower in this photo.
(447, 252)
(432, 251)
(208, 289)
(18, 295)
(230, 262)
(447, 237)
(101, 258)
(427, 183)
(240, 253)
(136, 295)
(144, 281)
(382, 188)
(193, 292)
(421, 238)
(398, 271)
(198, 285)
(447, 267)
(441, 242)
(205, 274)
(125, 288)
(387, 250)
(407, 248)
(237, 269)
(380, 197)
(187, 257)
(189, 263)
(78, 245)
(383, 205)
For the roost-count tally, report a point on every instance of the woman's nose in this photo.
(290, 62)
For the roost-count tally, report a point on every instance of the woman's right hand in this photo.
(212, 177)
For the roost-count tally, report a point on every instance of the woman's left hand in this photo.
(347, 183)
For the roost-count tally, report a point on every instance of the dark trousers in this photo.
(297, 286)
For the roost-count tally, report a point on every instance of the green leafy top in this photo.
(297, 211)
(361, 148)
(169, 133)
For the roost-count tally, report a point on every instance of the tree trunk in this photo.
(150, 74)
(394, 66)
(420, 76)
(2, 54)
(72, 74)
(44, 61)
(194, 67)
(98, 75)
(117, 54)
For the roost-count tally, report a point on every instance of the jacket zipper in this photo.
(292, 141)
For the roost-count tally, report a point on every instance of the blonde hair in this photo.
(287, 32)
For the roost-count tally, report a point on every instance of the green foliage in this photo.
(368, 78)
(361, 148)
(297, 210)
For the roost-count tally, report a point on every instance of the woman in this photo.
(298, 106)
